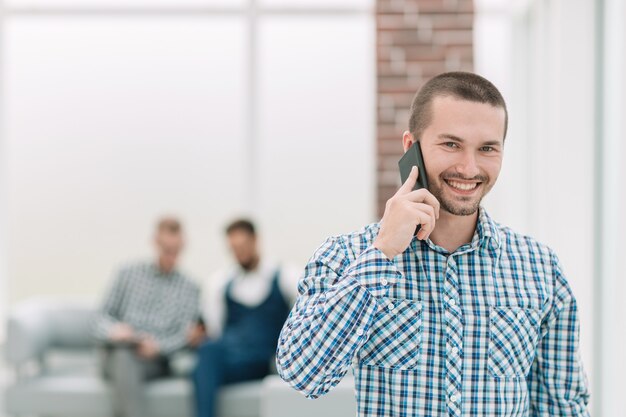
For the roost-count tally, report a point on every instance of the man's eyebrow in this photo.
(450, 137)
(460, 140)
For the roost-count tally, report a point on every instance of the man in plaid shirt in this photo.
(466, 318)
(144, 319)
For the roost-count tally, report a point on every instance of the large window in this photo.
(115, 112)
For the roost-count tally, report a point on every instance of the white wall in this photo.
(112, 120)
(541, 54)
(316, 163)
(612, 311)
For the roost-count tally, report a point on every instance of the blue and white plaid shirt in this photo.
(489, 330)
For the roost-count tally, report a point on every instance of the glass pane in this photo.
(130, 4)
(339, 4)
(111, 123)
(317, 128)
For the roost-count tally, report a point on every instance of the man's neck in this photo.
(452, 232)
(163, 269)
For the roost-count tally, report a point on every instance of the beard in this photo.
(458, 205)
(250, 263)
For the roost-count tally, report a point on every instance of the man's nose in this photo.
(467, 165)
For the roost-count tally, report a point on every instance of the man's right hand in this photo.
(196, 334)
(121, 332)
(403, 213)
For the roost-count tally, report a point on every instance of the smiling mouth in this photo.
(462, 186)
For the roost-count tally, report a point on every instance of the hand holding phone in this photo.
(406, 210)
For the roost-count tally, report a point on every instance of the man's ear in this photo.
(407, 140)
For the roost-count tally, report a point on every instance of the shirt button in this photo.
(455, 351)
(453, 398)
(520, 315)
(384, 282)
(359, 332)
(391, 306)
(452, 302)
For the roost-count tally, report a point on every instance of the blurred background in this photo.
(114, 112)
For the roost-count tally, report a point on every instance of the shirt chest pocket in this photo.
(513, 339)
(395, 337)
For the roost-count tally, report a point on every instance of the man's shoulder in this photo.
(364, 235)
(187, 281)
(147, 269)
(352, 243)
(523, 246)
(537, 260)
(135, 267)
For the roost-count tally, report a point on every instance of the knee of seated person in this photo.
(124, 357)
(123, 352)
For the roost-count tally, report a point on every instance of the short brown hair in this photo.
(241, 224)
(169, 225)
(462, 85)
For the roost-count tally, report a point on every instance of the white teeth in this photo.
(461, 186)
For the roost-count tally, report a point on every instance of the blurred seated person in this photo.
(245, 310)
(144, 319)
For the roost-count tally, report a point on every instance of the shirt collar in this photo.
(485, 236)
(487, 231)
(159, 272)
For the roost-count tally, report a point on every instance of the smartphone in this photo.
(413, 157)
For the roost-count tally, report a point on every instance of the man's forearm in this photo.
(321, 337)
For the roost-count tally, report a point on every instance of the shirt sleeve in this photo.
(557, 382)
(110, 310)
(332, 316)
(175, 337)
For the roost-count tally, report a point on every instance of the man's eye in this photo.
(451, 144)
(487, 148)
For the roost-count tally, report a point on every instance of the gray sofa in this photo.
(56, 374)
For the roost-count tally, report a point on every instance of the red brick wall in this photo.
(416, 40)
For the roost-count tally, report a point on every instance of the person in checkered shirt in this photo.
(464, 318)
(144, 319)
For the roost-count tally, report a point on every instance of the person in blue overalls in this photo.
(244, 313)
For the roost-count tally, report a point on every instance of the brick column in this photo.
(416, 40)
